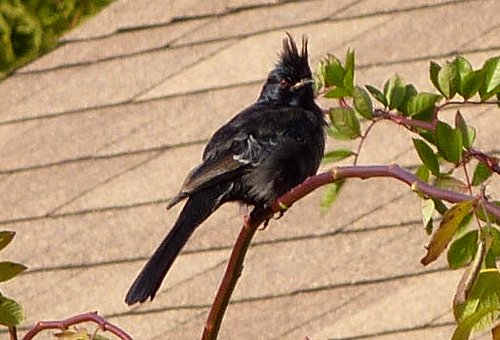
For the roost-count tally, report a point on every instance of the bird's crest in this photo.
(290, 57)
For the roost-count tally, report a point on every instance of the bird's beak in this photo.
(303, 82)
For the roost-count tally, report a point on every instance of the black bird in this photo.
(257, 156)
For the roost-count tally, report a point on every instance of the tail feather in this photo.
(197, 209)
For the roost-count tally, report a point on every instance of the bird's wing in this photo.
(243, 152)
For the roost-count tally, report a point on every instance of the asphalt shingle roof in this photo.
(98, 134)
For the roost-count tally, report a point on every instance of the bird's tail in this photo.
(198, 207)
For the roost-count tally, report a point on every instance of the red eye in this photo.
(285, 82)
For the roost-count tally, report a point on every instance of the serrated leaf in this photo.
(337, 92)
(336, 155)
(9, 269)
(331, 193)
(334, 72)
(422, 173)
(11, 312)
(362, 102)
(394, 91)
(410, 92)
(434, 69)
(471, 83)
(448, 142)
(427, 209)
(448, 80)
(377, 94)
(446, 230)
(5, 238)
(427, 156)
(422, 103)
(462, 250)
(345, 121)
(481, 173)
(483, 300)
(451, 183)
(491, 82)
(468, 133)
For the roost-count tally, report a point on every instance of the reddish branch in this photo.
(235, 265)
(65, 324)
(412, 124)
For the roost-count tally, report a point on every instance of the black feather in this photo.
(257, 156)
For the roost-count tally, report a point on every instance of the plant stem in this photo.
(235, 264)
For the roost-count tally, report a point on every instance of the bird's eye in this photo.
(285, 82)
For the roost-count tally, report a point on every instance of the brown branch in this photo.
(465, 102)
(235, 264)
(490, 161)
(12, 332)
(405, 121)
(66, 323)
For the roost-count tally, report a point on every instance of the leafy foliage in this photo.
(443, 150)
(32, 27)
(11, 312)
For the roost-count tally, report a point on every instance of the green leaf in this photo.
(448, 142)
(334, 72)
(464, 328)
(448, 80)
(9, 269)
(427, 209)
(5, 238)
(451, 183)
(11, 312)
(462, 250)
(345, 121)
(495, 239)
(484, 296)
(434, 69)
(337, 92)
(331, 193)
(471, 84)
(410, 92)
(441, 208)
(491, 83)
(422, 103)
(427, 156)
(377, 94)
(481, 174)
(348, 80)
(362, 102)
(394, 91)
(446, 230)
(468, 133)
(422, 173)
(336, 155)
(464, 70)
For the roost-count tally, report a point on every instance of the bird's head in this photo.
(290, 82)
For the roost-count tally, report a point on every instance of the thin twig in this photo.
(361, 142)
(86, 317)
(235, 264)
(405, 121)
(465, 102)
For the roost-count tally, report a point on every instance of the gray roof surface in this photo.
(97, 135)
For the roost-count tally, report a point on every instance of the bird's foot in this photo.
(283, 208)
(264, 225)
